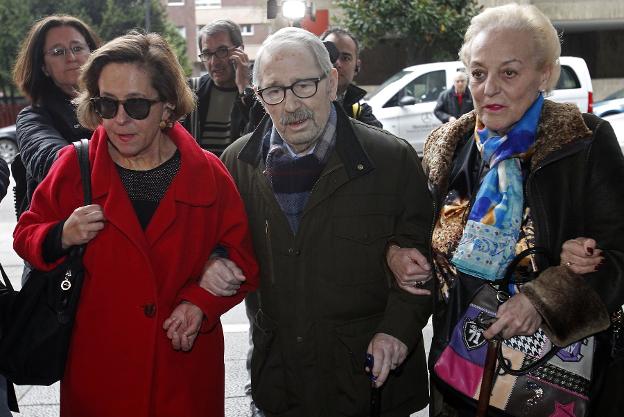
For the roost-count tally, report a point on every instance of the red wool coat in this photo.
(121, 362)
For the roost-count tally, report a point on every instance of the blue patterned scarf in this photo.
(487, 245)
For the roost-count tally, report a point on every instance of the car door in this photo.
(415, 103)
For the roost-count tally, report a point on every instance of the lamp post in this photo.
(294, 9)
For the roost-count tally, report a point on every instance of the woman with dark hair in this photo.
(47, 71)
(147, 339)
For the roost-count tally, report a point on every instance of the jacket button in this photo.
(299, 339)
(293, 252)
(149, 310)
(360, 167)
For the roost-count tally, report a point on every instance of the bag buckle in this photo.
(66, 283)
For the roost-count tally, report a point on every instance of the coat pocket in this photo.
(352, 385)
(268, 383)
(358, 248)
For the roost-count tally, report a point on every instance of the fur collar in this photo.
(560, 124)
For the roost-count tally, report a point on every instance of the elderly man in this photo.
(348, 65)
(226, 108)
(455, 101)
(326, 195)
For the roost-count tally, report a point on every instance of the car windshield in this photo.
(389, 81)
(616, 95)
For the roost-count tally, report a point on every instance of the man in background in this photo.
(226, 107)
(348, 65)
(455, 101)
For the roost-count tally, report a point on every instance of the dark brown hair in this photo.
(28, 72)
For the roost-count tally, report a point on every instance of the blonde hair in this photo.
(149, 51)
(525, 18)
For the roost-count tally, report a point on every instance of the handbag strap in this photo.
(7, 282)
(82, 149)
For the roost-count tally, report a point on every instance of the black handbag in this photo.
(36, 323)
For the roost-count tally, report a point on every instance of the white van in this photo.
(404, 103)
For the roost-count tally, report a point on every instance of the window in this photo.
(425, 88)
(247, 30)
(207, 3)
(175, 2)
(182, 31)
(567, 79)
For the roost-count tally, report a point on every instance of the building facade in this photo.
(591, 29)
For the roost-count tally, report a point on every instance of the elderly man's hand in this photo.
(410, 268)
(515, 317)
(221, 277)
(389, 353)
(183, 325)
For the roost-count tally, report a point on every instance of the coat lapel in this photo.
(185, 188)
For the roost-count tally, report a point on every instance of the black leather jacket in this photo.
(574, 188)
(357, 110)
(42, 130)
(448, 105)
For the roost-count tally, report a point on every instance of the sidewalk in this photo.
(36, 401)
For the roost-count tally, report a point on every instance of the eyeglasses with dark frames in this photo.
(136, 108)
(220, 52)
(305, 88)
(76, 50)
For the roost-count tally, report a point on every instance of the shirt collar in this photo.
(320, 149)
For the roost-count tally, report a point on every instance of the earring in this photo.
(165, 124)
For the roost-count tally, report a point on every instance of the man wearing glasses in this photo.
(225, 99)
(325, 195)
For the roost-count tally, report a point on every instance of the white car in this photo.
(405, 102)
(612, 104)
(617, 122)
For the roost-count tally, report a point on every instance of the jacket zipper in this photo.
(267, 234)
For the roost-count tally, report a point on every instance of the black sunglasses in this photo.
(137, 108)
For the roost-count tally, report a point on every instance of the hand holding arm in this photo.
(581, 255)
(410, 268)
(388, 352)
(221, 277)
(183, 325)
(82, 225)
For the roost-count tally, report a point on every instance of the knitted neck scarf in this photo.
(292, 177)
(487, 245)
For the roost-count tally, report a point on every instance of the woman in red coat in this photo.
(147, 340)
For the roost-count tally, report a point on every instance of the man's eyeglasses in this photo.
(220, 52)
(137, 108)
(302, 89)
(76, 50)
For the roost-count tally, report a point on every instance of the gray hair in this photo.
(525, 18)
(221, 26)
(295, 38)
(460, 74)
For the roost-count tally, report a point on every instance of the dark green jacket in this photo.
(325, 291)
